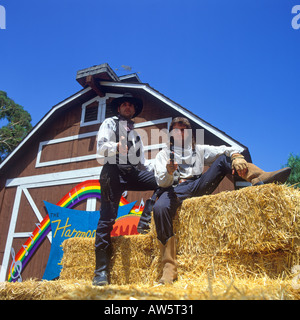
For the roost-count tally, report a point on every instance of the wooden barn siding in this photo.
(5, 214)
(67, 124)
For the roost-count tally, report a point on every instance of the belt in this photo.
(190, 179)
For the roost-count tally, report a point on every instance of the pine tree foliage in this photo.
(16, 124)
(294, 164)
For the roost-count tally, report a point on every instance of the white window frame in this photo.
(101, 111)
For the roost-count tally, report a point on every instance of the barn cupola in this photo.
(92, 76)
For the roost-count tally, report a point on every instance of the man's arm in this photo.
(238, 162)
(106, 139)
(211, 153)
(163, 169)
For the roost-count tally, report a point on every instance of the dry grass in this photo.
(233, 245)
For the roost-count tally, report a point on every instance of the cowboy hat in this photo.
(128, 97)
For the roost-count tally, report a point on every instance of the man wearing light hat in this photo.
(120, 152)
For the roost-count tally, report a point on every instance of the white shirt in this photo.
(189, 163)
(107, 145)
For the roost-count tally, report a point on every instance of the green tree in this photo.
(16, 124)
(294, 164)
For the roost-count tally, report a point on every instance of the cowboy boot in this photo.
(100, 273)
(145, 219)
(169, 263)
(257, 176)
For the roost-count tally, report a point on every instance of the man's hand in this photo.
(122, 146)
(239, 164)
(171, 166)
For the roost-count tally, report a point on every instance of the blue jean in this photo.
(114, 180)
(165, 207)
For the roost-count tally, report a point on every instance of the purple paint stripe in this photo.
(86, 196)
(33, 248)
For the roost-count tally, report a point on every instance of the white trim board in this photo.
(176, 107)
(11, 231)
(55, 177)
(39, 164)
(67, 160)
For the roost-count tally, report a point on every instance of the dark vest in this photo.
(133, 142)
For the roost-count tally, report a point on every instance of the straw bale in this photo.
(147, 269)
(132, 259)
(78, 251)
(252, 231)
(36, 290)
(234, 245)
(254, 219)
(131, 262)
(242, 266)
(202, 287)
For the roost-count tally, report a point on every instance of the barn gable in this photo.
(59, 153)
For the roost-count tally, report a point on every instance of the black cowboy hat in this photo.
(128, 97)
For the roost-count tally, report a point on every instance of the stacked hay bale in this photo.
(252, 231)
(249, 232)
(132, 259)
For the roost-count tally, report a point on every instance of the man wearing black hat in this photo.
(120, 151)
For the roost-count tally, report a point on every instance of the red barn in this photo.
(60, 152)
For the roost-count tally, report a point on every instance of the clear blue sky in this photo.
(236, 64)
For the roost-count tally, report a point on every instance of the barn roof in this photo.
(98, 79)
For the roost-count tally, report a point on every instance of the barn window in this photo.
(93, 111)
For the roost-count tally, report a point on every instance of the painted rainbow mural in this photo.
(82, 191)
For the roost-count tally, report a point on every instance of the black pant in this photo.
(165, 207)
(114, 180)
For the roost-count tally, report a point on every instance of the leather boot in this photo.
(169, 263)
(145, 219)
(102, 260)
(257, 176)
